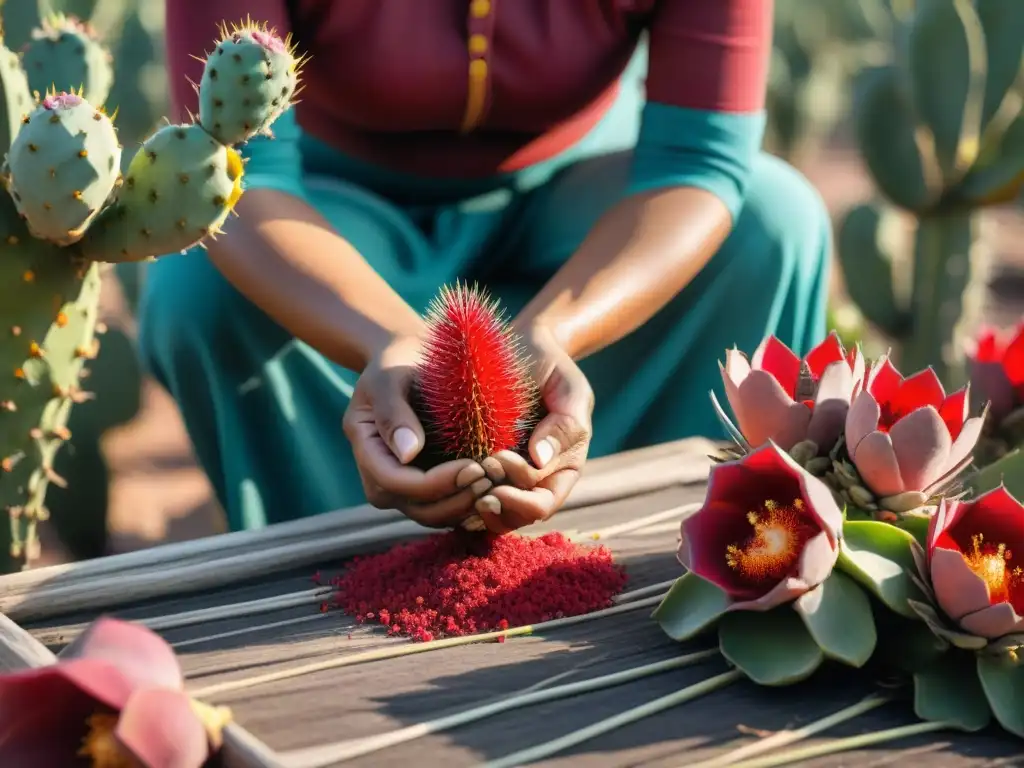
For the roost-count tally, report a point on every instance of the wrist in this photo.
(379, 337)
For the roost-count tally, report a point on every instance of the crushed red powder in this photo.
(457, 583)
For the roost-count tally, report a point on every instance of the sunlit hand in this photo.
(526, 492)
(386, 435)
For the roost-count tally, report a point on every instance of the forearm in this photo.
(638, 256)
(285, 258)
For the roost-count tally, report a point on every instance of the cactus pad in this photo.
(179, 188)
(249, 80)
(16, 101)
(64, 54)
(62, 167)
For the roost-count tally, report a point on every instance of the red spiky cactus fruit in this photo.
(473, 390)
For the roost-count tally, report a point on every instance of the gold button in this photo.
(477, 44)
(478, 69)
(480, 8)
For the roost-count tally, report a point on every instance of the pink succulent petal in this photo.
(958, 589)
(946, 514)
(821, 505)
(884, 381)
(816, 561)
(141, 655)
(828, 352)
(775, 358)
(786, 591)
(734, 373)
(831, 404)
(923, 388)
(876, 463)
(954, 411)
(160, 729)
(966, 441)
(995, 621)
(861, 420)
(705, 536)
(858, 366)
(1013, 359)
(922, 444)
(994, 386)
(769, 413)
(43, 717)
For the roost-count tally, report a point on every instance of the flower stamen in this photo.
(101, 746)
(780, 532)
(991, 564)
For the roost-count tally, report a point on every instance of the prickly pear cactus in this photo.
(64, 54)
(942, 132)
(68, 210)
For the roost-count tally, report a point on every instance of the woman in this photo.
(632, 238)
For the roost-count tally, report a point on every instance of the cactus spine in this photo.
(941, 131)
(66, 212)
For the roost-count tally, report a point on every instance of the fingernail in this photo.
(473, 524)
(545, 453)
(481, 486)
(494, 469)
(469, 475)
(488, 505)
(405, 444)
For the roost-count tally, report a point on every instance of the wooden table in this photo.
(369, 698)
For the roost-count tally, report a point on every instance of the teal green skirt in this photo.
(264, 410)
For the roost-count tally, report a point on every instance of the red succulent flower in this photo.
(974, 553)
(474, 390)
(907, 434)
(768, 531)
(997, 369)
(779, 397)
(115, 696)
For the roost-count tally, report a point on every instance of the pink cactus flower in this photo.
(907, 434)
(763, 392)
(115, 696)
(768, 531)
(973, 553)
(997, 369)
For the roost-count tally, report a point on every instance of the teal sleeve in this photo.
(710, 150)
(275, 163)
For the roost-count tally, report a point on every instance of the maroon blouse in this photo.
(485, 86)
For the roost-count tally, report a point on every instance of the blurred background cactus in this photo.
(941, 132)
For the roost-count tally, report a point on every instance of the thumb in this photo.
(554, 435)
(396, 421)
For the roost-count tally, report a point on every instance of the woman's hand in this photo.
(535, 490)
(386, 435)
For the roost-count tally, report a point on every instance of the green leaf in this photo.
(878, 556)
(837, 613)
(916, 526)
(771, 648)
(949, 691)
(691, 606)
(1009, 470)
(1002, 678)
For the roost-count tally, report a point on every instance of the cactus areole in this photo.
(68, 207)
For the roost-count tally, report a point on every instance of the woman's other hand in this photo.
(386, 435)
(526, 492)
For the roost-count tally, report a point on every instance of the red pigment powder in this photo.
(457, 583)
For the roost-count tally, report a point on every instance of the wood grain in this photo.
(218, 560)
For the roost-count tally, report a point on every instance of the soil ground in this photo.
(158, 494)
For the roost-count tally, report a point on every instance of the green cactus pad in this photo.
(886, 134)
(868, 268)
(62, 167)
(65, 55)
(1003, 22)
(179, 188)
(51, 302)
(998, 176)
(17, 100)
(249, 80)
